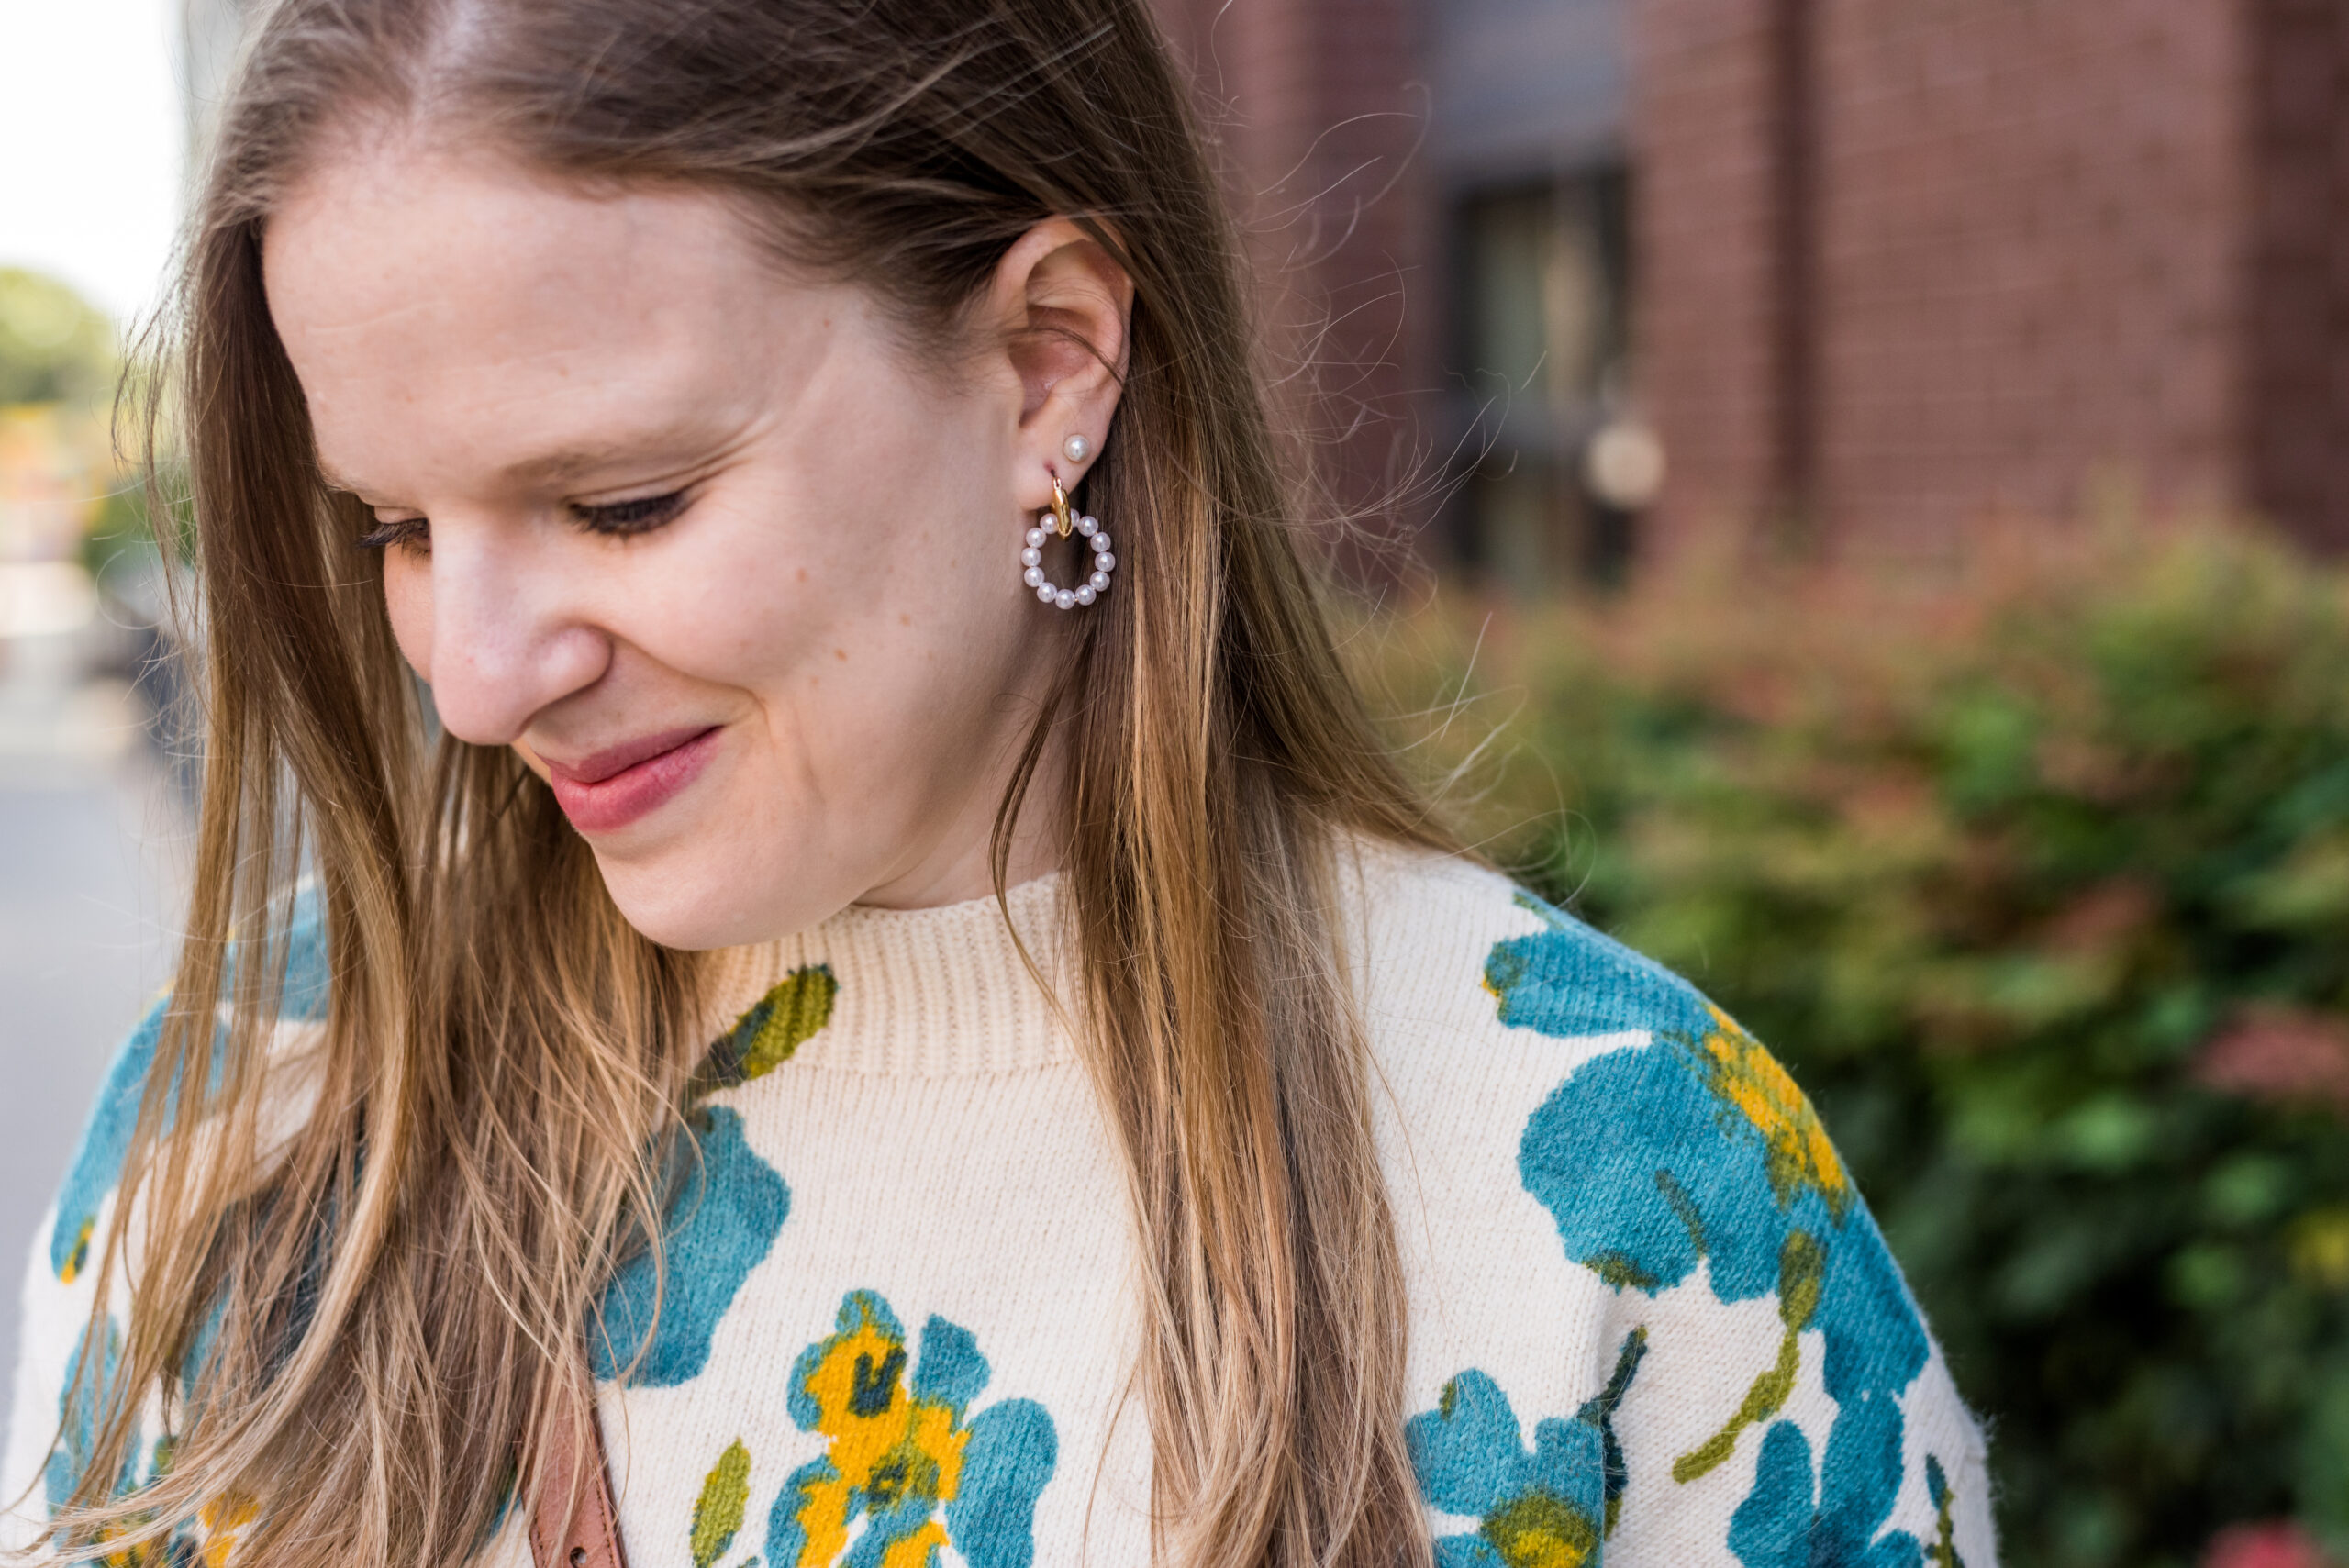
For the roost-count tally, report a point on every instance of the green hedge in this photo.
(2035, 871)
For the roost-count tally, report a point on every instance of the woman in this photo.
(948, 999)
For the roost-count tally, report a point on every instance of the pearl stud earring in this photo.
(1064, 521)
(1077, 449)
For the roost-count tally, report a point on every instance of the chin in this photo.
(679, 901)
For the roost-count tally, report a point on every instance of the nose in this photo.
(509, 632)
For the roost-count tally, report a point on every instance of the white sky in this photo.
(90, 144)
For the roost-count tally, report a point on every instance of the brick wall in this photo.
(1705, 284)
(2297, 414)
(2045, 249)
(1898, 264)
(2030, 238)
(1314, 106)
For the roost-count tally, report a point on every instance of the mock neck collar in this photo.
(935, 993)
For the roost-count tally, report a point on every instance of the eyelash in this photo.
(614, 519)
(640, 516)
(398, 531)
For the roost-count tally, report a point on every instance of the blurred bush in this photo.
(54, 347)
(59, 366)
(2036, 870)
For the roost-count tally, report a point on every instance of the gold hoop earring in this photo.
(1064, 521)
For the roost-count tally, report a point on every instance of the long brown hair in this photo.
(405, 1274)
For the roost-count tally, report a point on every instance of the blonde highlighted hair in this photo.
(505, 1061)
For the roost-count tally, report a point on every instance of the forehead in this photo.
(452, 308)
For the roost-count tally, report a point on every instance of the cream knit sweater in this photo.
(1651, 1321)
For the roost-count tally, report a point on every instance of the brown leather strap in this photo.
(572, 1521)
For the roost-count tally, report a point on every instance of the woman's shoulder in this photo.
(1516, 1048)
(1440, 939)
(1618, 1210)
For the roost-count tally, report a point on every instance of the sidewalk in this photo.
(92, 851)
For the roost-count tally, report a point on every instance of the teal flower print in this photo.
(718, 1227)
(729, 1206)
(302, 996)
(1698, 1146)
(1548, 1508)
(85, 1395)
(1795, 1518)
(904, 1475)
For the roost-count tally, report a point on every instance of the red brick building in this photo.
(1873, 269)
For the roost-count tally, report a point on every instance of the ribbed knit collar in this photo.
(931, 992)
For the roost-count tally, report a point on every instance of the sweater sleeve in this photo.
(41, 1462)
(31, 1391)
(1744, 1377)
(54, 1407)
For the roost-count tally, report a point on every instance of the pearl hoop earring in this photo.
(1064, 521)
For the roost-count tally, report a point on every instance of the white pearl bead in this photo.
(1085, 595)
(1031, 556)
(1063, 599)
(1097, 581)
(1100, 544)
(1105, 562)
(1085, 527)
(1035, 538)
(1077, 449)
(1033, 577)
(1045, 592)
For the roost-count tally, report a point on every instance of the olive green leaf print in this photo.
(718, 1513)
(1943, 1551)
(1801, 1262)
(778, 1024)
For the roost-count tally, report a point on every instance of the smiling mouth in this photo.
(607, 790)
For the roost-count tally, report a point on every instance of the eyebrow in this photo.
(562, 466)
(554, 468)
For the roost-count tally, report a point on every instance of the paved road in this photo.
(91, 846)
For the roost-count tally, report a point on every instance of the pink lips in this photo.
(606, 790)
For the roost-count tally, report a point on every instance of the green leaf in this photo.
(718, 1513)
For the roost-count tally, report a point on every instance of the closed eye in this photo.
(413, 532)
(638, 515)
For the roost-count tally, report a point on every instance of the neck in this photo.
(958, 865)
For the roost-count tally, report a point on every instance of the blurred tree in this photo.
(54, 346)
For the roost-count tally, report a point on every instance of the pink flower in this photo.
(2276, 1544)
(2280, 1053)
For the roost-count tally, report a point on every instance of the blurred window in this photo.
(1538, 357)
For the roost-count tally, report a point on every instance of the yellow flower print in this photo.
(903, 1472)
(888, 1448)
(1742, 1071)
(222, 1519)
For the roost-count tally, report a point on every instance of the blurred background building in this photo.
(1576, 276)
(1869, 271)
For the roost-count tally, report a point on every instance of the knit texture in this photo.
(1651, 1320)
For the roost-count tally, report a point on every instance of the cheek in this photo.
(408, 601)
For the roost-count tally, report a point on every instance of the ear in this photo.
(1064, 305)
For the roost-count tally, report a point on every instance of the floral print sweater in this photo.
(1652, 1322)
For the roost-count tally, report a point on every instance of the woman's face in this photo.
(702, 541)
